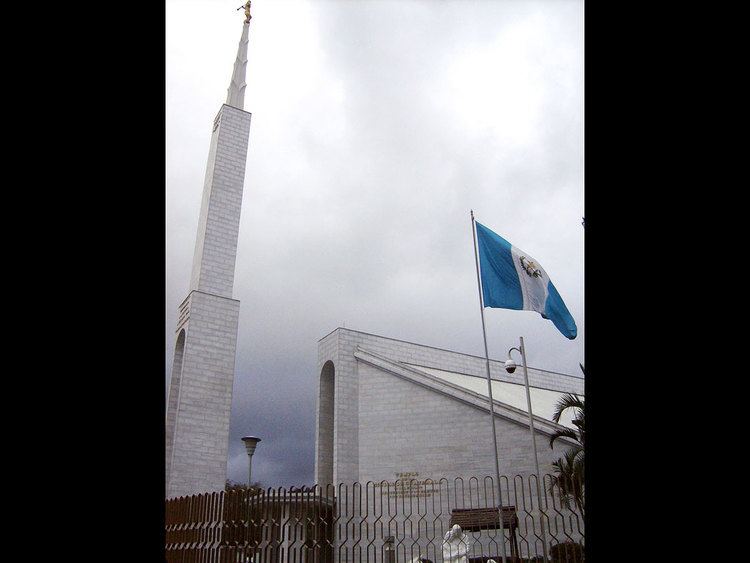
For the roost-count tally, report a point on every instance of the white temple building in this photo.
(389, 408)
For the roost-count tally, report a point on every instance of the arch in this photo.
(326, 410)
(173, 400)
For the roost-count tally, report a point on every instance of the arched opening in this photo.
(325, 425)
(173, 398)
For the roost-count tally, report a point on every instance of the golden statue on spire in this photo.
(248, 17)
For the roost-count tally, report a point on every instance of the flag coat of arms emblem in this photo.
(512, 279)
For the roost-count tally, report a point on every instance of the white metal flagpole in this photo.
(489, 388)
(533, 445)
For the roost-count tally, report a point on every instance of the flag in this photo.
(511, 279)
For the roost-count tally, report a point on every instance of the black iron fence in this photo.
(385, 522)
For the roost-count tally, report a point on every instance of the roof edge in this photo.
(446, 350)
(471, 398)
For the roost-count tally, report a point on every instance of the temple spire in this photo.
(200, 390)
(236, 90)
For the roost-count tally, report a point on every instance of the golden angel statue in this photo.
(248, 17)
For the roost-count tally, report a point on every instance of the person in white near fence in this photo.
(456, 545)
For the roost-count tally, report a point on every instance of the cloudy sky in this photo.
(376, 126)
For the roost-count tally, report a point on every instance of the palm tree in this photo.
(570, 401)
(569, 469)
(569, 479)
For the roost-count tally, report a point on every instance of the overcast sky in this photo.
(376, 126)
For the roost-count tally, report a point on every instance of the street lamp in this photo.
(250, 443)
(510, 367)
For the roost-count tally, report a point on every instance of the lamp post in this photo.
(250, 443)
(510, 367)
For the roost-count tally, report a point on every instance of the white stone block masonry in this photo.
(200, 391)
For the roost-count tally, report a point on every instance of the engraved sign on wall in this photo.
(408, 484)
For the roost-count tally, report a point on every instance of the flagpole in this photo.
(489, 389)
(533, 445)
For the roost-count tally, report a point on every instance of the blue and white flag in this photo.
(511, 279)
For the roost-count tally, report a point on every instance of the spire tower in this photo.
(236, 90)
(200, 390)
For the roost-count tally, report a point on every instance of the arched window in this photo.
(325, 425)
(174, 396)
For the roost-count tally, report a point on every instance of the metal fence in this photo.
(385, 522)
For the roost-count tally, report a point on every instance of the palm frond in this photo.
(563, 433)
(580, 423)
(568, 401)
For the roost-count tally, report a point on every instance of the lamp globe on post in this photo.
(250, 443)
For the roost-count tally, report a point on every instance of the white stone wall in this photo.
(200, 394)
(386, 428)
(201, 430)
(218, 225)
(356, 393)
(404, 428)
